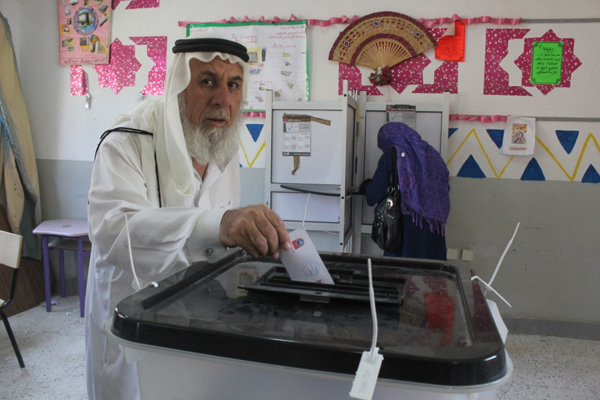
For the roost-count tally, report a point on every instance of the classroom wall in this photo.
(550, 272)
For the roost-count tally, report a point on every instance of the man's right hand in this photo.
(256, 229)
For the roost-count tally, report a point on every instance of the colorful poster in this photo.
(84, 31)
(278, 58)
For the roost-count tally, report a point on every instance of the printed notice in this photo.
(451, 46)
(402, 113)
(296, 135)
(546, 63)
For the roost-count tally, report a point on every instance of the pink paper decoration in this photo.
(352, 73)
(409, 72)
(310, 22)
(569, 62)
(346, 20)
(78, 81)
(485, 119)
(138, 4)
(122, 68)
(470, 21)
(143, 4)
(445, 77)
(254, 114)
(157, 51)
(496, 48)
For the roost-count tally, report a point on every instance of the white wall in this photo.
(64, 130)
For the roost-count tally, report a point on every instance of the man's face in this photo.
(214, 93)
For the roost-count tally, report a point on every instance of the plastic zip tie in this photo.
(365, 380)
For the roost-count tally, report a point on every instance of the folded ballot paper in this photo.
(303, 262)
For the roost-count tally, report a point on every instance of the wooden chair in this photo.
(10, 256)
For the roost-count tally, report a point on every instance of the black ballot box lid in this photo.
(434, 324)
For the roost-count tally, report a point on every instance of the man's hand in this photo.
(256, 229)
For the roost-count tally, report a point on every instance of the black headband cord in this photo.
(211, 45)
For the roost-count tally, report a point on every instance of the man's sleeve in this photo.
(163, 240)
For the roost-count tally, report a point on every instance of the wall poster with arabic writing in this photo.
(83, 31)
(278, 58)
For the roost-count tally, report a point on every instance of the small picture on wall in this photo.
(519, 136)
(518, 133)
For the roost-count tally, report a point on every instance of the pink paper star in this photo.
(496, 79)
(157, 51)
(409, 72)
(445, 77)
(569, 61)
(122, 68)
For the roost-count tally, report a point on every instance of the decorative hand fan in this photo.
(380, 41)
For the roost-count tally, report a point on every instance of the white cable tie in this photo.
(491, 288)
(367, 373)
(305, 208)
(504, 253)
(373, 310)
(137, 286)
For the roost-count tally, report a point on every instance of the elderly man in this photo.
(166, 178)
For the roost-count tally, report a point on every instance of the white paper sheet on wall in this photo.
(278, 58)
(296, 137)
(519, 136)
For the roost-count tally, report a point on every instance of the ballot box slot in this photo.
(348, 284)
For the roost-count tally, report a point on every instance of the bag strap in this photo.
(139, 132)
(393, 180)
(120, 129)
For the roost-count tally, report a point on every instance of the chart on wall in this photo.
(84, 31)
(278, 58)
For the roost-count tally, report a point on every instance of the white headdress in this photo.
(162, 117)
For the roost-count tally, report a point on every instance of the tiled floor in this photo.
(53, 350)
(552, 368)
(52, 347)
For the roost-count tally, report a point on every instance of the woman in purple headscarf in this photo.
(424, 189)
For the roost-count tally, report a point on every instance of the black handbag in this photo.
(387, 230)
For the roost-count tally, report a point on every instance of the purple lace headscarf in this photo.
(422, 175)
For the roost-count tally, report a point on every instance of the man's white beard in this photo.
(206, 143)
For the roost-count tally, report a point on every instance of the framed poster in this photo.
(278, 58)
(83, 31)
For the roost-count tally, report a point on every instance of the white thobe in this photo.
(163, 241)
